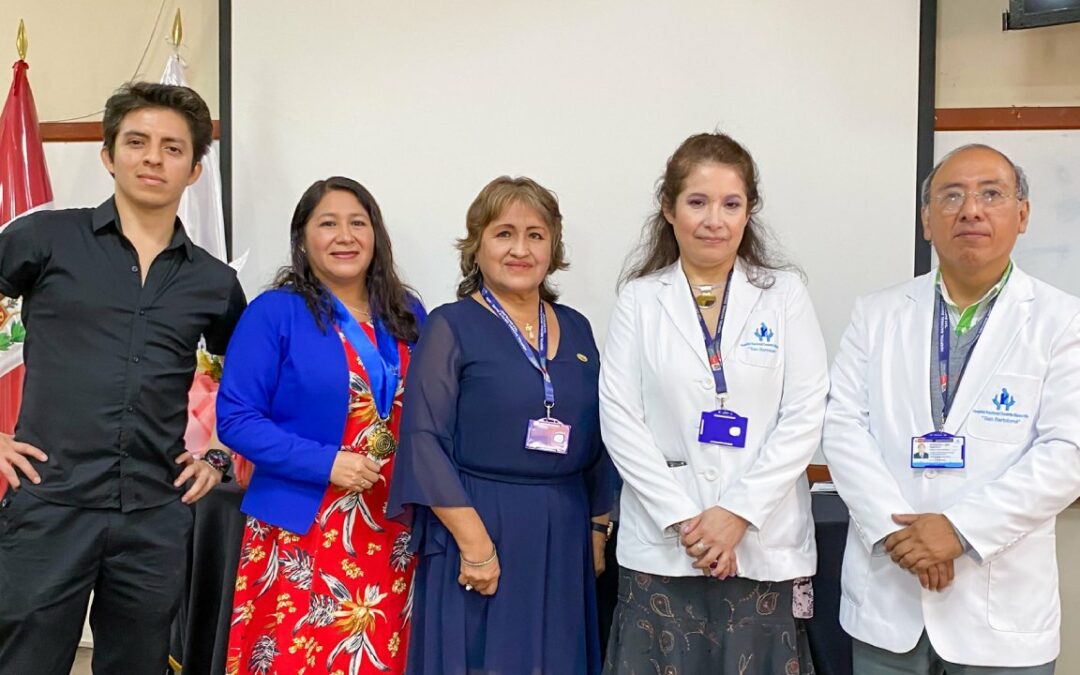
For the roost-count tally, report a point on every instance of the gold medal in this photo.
(380, 441)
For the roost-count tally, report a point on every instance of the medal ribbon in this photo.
(381, 361)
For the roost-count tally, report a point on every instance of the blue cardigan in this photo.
(282, 404)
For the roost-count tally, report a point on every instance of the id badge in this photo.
(548, 435)
(937, 450)
(723, 427)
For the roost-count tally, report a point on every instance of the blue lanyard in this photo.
(537, 357)
(944, 337)
(382, 361)
(712, 343)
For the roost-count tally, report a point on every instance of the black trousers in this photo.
(53, 556)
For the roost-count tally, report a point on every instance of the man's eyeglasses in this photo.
(951, 201)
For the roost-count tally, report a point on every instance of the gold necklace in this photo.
(705, 297)
(530, 329)
(361, 314)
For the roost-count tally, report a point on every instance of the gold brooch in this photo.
(582, 358)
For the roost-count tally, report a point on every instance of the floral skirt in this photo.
(691, 625)
(336, 600)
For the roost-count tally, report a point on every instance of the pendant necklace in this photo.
(705, 298)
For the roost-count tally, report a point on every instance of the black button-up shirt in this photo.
(109, 358)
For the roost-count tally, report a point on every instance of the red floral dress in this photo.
(338, 599)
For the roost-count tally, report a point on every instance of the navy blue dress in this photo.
(470, 396)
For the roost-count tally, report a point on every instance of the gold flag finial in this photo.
(177, 30)
(20, 41)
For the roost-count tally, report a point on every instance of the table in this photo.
(830, 646)
(201, 630)
(200, 634)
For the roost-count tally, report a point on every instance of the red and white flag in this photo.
(24, 187)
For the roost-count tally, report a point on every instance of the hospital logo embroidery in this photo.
(760, 339)
(1007, 409)
(1003, 400)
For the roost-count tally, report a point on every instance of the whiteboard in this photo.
(1050, 249)
(425, 102)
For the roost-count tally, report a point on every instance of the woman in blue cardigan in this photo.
(311, 394)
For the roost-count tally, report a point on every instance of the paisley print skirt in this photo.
(699, 625)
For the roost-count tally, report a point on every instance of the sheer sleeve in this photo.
(425, 474)
(602, 481)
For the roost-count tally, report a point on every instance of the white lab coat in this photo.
(655, 382)
(1022, 469)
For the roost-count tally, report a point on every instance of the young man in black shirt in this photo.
(115, 300)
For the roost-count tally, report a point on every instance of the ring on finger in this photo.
(468, 587)
(700, 547)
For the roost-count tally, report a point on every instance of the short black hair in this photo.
(138, 95)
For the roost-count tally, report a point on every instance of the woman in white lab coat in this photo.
(712, 395)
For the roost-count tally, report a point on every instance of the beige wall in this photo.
(81, 50)
(981, 66)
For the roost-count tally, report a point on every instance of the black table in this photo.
(829, 644)
(200, 635)
(201, 630)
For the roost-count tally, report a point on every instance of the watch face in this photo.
(217, 458)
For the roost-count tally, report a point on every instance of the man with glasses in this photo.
(953, 435)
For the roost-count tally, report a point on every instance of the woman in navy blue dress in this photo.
(500, 469)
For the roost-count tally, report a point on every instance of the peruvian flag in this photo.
(24, 187)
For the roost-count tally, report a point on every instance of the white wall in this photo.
(425, 102)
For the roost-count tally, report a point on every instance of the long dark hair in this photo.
(390, 300)
(659, 248)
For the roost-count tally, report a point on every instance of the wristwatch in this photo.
(220, 460)
(606, 528)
